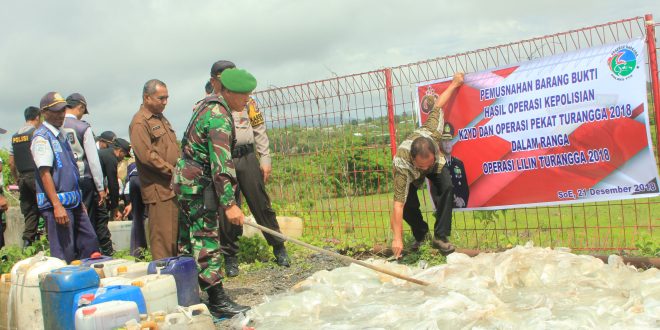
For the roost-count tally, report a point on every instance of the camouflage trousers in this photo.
(203, 239)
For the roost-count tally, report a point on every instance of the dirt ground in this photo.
(254, 283)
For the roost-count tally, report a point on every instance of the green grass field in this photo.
(604, 226)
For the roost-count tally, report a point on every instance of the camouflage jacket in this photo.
(405, 172)
(206, 152)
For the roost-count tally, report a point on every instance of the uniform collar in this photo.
(148, 114)
(70, 115)
(56, 131)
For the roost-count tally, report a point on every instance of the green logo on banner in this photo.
(623, 62)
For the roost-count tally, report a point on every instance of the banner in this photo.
(568, 128)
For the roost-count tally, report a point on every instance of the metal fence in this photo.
(333, 140)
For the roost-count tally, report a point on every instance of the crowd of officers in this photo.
(191, 193)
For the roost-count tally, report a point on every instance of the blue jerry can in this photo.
(95, 258)
(110, 293)
(58, 288)
(184, 270)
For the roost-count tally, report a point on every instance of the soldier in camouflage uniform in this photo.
(419, 157)
(252, 174)
(205, 180)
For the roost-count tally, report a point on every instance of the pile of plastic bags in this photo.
(524, 287)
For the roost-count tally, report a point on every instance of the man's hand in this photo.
(60, 215)
(4, 205)
(265, 171)
(102, 196)
(458, 79)
(127, 210)
(397, 247)
(459, 202)
(235, 215)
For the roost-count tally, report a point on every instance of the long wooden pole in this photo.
(335, 254)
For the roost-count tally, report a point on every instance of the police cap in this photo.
(53, 101)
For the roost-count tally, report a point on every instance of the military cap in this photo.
(447, 131)
(75, 99)
(123, 145)
(238, 81)
(53, 101)
(220, 66)
(108, 136)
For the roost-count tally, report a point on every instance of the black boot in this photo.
(220, 305)
(26, 243)
(231, 266)
(281, 257)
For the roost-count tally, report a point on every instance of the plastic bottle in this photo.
(107, 315)
(114, 292)
(5, 287)
(98, 268)
(25, 297)
(58, 290)
(159, 292)
(184, 270)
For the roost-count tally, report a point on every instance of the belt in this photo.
(242, 150)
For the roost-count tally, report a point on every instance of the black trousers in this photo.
(251, 185)
(98, 215)
(28, 200)
(442, 197)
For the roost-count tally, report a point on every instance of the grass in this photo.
(611, 226)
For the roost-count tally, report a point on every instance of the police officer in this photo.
(105, 140)
(205, 180)
(455, 167)
(70, 232)
(23, 169)
(252, 174)
(80, 136)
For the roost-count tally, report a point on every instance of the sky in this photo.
(107, 50)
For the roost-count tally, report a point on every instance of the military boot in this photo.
(231, 266)
(220, 305)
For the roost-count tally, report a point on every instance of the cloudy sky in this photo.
(106, 50)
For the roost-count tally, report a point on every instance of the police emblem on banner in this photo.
(428, 101)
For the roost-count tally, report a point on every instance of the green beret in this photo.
(238, 81)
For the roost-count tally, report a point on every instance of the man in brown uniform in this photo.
(156, 152)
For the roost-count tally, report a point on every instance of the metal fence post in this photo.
(653, 61)
(390, 109)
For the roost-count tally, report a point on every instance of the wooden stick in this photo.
(335, 254)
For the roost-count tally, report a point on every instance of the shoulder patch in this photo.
(256, 118)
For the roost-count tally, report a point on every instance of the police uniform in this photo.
(459, 181)
(80, 137)
(456, 169)
(25, 168)
(50, 149)
(205, 175)
(251, 139)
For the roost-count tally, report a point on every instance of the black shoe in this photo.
(231, 266)
(443, 244)
(415, 246)
(281, 257)
(26, 243)
(220, 305)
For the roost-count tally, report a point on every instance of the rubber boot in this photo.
(281, 257)
(220, 305)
